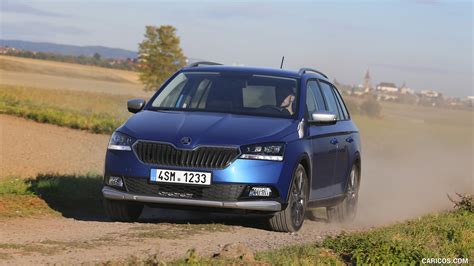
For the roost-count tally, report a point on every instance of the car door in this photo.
(323, 152)
(341, 139)
(343, 164)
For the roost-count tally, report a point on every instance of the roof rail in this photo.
(208, 63)
(304, 70)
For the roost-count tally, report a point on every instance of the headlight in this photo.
(267, 151)
(120, 142)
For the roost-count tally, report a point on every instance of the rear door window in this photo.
(345, 113)
(330, 99)
(313, 84)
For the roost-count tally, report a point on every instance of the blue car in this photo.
(242, 139)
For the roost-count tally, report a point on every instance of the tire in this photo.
(346, 211)
(292, 217)
(122, 211)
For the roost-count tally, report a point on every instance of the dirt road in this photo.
(396, 185)
(34, 148)
(54, 240)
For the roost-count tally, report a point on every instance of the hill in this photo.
(66, 49)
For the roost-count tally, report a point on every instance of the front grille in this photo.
(220, 192)
(202, 157)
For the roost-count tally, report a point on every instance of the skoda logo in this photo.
(186, 140)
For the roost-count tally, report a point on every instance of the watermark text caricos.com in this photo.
(445, 261)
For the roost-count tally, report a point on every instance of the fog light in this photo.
(115, 181)
(260, 192)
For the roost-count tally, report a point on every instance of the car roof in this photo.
(254, 70)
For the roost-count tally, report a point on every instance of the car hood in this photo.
(205, 128)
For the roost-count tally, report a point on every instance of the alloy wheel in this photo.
(298, 202)
(352, 192)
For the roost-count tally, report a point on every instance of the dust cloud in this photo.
(408, 174)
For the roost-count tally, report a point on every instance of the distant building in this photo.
(431, 94)
(357, 91)
(8, 50)
(386, 97)
(367, 82)
(387, 87)
(468, 101)
(431, 97)
(405, 90)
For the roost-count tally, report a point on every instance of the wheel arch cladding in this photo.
(358, 163)
(305, 162)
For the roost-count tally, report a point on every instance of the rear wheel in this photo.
(122, 211)
(291, 218)
(346, 211)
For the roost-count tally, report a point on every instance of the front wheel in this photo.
(291, 218)
(346, 211)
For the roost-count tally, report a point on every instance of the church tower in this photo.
(367, 82)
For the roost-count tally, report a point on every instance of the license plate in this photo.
(180, 177)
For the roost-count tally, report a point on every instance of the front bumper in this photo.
(256, 205)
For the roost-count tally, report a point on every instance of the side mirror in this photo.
(323, 118)
(135, 105)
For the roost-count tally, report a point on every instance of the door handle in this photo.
(334, 141)
(349, 139)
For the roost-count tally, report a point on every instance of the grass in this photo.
(94, 112)
(448, 235)
(12, 206)
(68, 195)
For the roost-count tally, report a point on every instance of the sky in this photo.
(426, 44)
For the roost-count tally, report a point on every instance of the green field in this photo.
(91, 111)
(69, 95)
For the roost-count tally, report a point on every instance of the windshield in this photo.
(229, 93)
